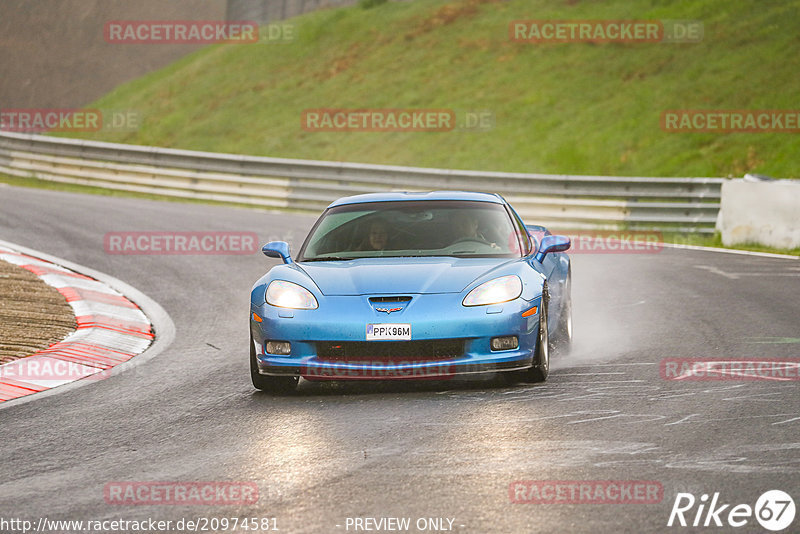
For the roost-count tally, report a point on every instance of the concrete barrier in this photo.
(766, 213)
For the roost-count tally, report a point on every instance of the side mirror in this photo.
(277, 249)
(536, 233)
(552, 243)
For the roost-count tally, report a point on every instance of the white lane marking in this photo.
(760, 269)
(734, 276)
(729, 251)
(715, 270)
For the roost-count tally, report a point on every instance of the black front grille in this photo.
(391, 351)
(389, 299)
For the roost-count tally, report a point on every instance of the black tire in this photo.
(270, 384)
(563, 336)
(541, 362)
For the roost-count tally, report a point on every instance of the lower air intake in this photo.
(433, 350)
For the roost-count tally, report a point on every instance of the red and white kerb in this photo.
(110, 330)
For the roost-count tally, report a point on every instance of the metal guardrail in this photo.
(567, 202)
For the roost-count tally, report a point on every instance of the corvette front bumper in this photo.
(433, 318)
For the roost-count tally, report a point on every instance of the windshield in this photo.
(412, 228)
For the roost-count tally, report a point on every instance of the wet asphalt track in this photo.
(430, 450)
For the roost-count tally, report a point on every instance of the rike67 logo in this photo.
(774, 510)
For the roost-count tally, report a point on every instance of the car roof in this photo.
(390, 196)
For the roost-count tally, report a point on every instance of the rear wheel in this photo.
(541, 362)
(270, 384)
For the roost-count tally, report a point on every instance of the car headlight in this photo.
(495, 291)
(290, 295)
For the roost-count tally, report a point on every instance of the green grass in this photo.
(576, 108)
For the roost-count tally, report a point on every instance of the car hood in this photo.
(377, 276)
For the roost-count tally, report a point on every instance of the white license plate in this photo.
(388, 331)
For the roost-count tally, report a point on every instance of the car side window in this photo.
(522, 236)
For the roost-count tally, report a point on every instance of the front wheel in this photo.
(564, 333)
(270, 384)
(541, 363)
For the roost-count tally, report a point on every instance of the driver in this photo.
(466, 229)
(377, 237)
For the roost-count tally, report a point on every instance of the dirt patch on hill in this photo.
(55, 54)
(33, 315)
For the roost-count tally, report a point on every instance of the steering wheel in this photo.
(473, 239)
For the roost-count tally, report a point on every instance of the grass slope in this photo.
(577, 108)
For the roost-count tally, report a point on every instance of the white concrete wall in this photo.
(767, 213)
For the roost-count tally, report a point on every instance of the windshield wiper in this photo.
(328, 258)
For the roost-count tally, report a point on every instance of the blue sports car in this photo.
(411, 285)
